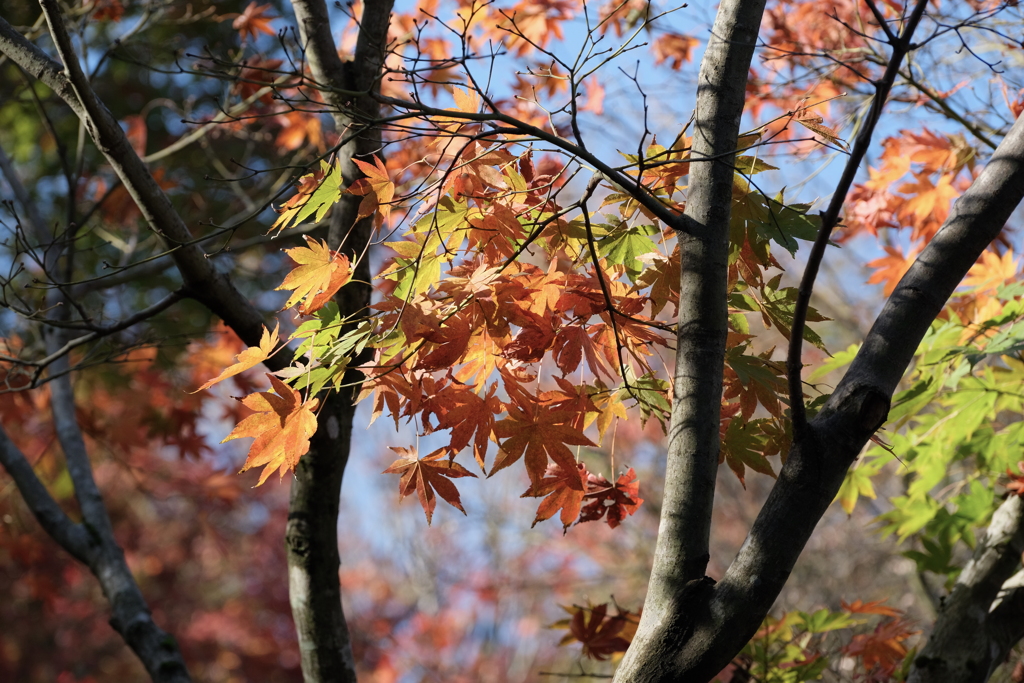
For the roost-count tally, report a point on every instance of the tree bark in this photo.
(982, 619)
(691, 630)
(678, 583)
(312, 536)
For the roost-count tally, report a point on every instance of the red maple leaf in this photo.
(537, 432)
(602, 634)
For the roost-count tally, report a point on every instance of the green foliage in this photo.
(955, 430)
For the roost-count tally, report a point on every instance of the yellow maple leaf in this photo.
(991, 271)
(281, 427)
(250, 357)
(928, 200)
(320, 274)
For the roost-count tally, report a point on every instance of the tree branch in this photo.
(202, 281)
(815, 467)
(312, 534)
(70, 536)
(972, 635)
(830, 218)
(677, 580)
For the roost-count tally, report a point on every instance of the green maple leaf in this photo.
(742, 447)
(623, 244)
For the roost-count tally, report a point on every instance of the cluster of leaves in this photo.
(800, 646)
(956, 429)
(496, 277)
(793, 648)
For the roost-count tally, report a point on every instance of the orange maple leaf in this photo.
(282, 426)
(250, 357)
(889, 269)
(254, 20)
(564, 491)
(674, 48)
(321, 273)
(538, 432)
(376, 189)
(873, 607)
(532, 23)
(1016, 484)
(426, 475)
(928, 200)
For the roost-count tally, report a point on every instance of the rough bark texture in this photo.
(312, 535)
(678, 584)
(982, 618)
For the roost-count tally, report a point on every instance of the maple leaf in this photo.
(281, 426)
(570, 345)
(426, 475)
(321, 273)
(991, 271)
(256, 75)
(674, 48)
(743, 445)
(296, 128)
(601, 634)
(254, 20)
(873, 607)
(883, 648)
(890, 269)
(538, 432)
(613, 503)
(376, 189)
(250, 357)
(564, 491)
(471, 419)
(816, 124)
(318, 192)
(532, 23)
(108, 10)
(595, 96)
(453, 344)
(928, 200)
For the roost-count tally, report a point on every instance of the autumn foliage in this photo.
(525, 292)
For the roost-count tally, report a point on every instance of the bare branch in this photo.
(72, 537)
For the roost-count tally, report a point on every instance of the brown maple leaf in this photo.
(281, 427)
(426, 475)
(471, 418)
(614, 503)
